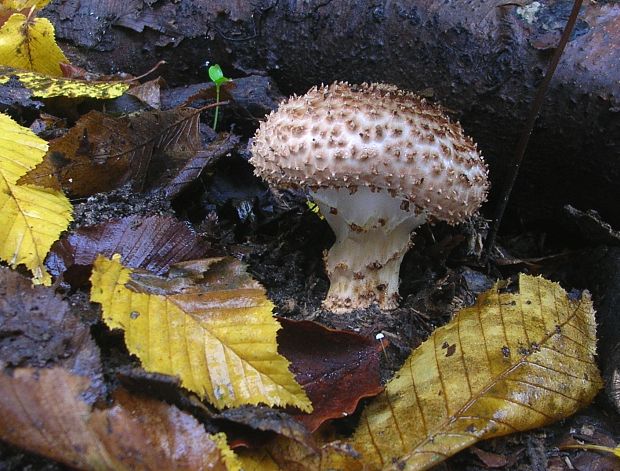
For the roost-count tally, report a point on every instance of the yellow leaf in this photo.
(208, 323)
(230, 459)
(510, 363)
(31, 218)
(605, 449)
(257, 460)
(45, 86)
(22, 4)
(29, 44)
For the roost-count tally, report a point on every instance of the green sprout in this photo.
(217, 76)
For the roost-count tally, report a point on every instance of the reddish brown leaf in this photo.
(153, 243)
(43, 412)
(101, 153)
(336, 368)
(38, 328)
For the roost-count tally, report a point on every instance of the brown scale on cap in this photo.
(341, 138)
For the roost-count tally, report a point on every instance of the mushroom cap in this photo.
(374, 135)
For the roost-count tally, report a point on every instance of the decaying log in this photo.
(481, 58)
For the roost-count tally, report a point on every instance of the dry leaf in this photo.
(208, 322)
(31, 218)
(153, 243)
(149, 92)
(23, 4)
(510, 363)
(43, 412)
(223, 145)
(38, 328)
(28, 43)
(101, 152)
(336, 368)
(45, 86)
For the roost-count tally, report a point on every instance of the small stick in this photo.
(527, 131)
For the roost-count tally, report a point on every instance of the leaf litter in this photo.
(139, 168)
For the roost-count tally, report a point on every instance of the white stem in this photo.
(373, 232)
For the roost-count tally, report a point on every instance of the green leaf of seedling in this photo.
(216, 75)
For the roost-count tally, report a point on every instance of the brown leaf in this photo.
(37, 328)
(43, 412)
(241, 424)
(149, 92)
(153, 243)
(336, 368)
(101, 153)
(209, 93)
(492, 460)
(223, 145)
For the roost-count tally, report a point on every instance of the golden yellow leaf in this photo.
(512, 362)
(605, 449)
(230, 459)
(208, 323)
(31, 218)
(257, 460)
(22, 4)
(29, 44)
(45, 86)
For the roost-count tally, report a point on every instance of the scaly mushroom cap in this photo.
(373, 135)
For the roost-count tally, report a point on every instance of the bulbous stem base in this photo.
(373, 233)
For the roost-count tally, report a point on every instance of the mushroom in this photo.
(379, 162)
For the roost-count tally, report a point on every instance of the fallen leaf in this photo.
(257, 460)
(28, 43)
(491, 460)
(223, 145)
(208, 322)
(336, 368)
(153, 243)
(149, 92)
(285, 454)
(39, 329)
(512, 362)
(31, 218)
(605, 449)
(46, 86)
(101, 152)
(43, 412)
(242, 423)
(23, 4)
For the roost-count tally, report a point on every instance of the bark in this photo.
(481, 58)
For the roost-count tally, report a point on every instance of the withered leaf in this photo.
(336, 368)
(521, 361)
(207, 322)
(31, 218)
(223, 145)
(153, 243)
(38, 328)
(101, 152)
(43, 412)
(241, 424)
(149, 92)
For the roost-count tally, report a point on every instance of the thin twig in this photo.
(517, 159)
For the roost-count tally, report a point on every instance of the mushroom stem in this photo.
(373, 233)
